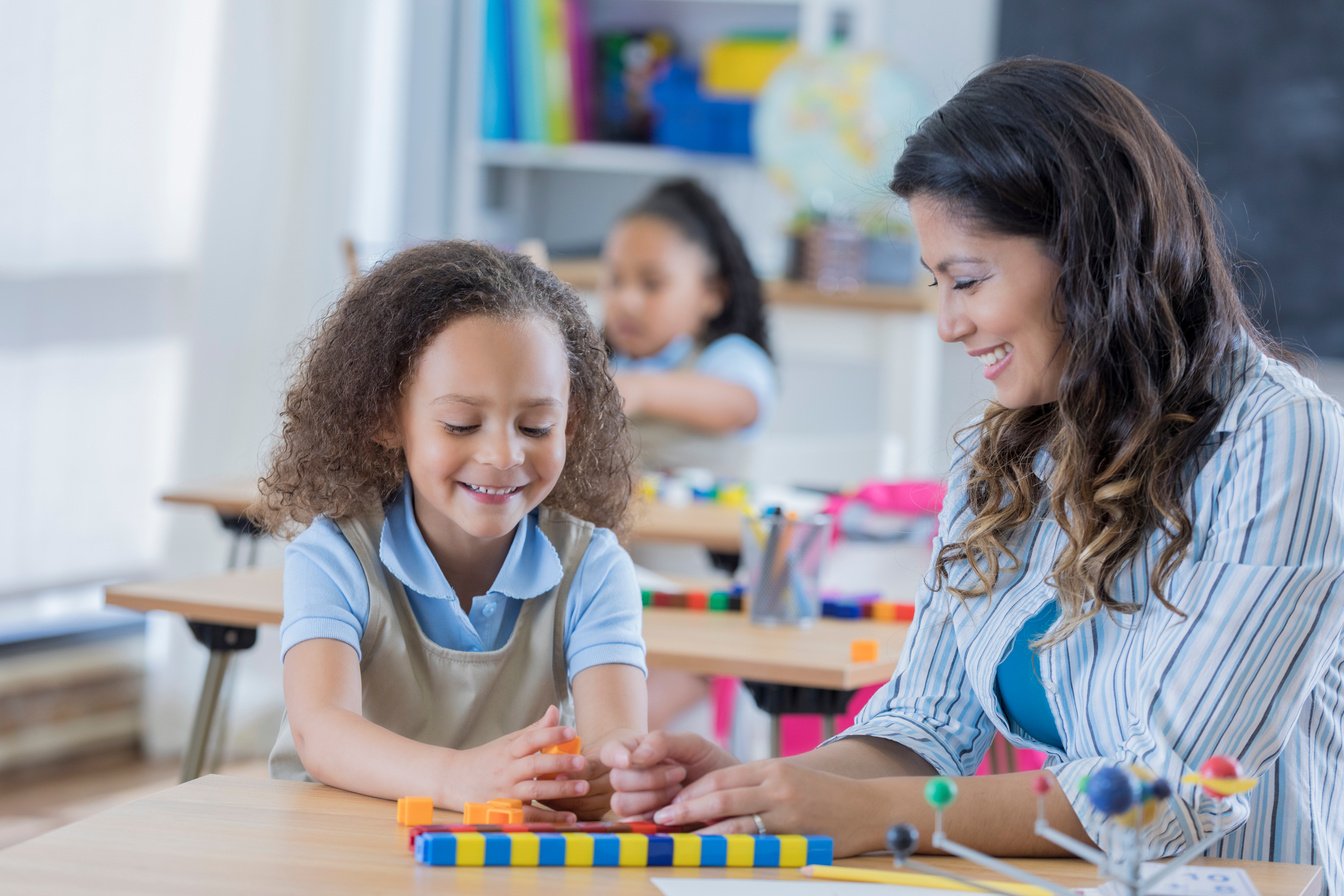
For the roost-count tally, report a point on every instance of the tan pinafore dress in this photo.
(454, 698)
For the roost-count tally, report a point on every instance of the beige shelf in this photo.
(583, 273)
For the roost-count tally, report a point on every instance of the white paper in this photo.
(1201, 880)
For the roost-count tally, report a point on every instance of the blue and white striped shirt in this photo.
(1255, 671)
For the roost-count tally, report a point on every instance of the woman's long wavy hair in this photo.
(1149, 310)
(328, 459)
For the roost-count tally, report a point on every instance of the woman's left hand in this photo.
(787, 799)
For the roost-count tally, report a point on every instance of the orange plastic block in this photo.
(504, 811)
(697, 600)
(572, 746)
(863, 650)
(475, 813)
(884, 612)
(413, 810)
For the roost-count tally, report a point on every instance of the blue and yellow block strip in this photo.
(623, 850)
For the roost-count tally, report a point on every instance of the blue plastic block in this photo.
(660, 850)
(498, 849)
(713, 851)
(820, 850)
(767, 852)
(436, 849)
(606, 850)
(550, 849)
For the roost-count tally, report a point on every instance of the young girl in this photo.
(686, 325)
(1148, 521)
(452, 441)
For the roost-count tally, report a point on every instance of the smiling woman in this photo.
(1151, 489)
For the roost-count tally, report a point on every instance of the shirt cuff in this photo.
(607, 654)
(910, 735)
(309, 628)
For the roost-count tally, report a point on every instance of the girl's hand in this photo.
(788, 799)
(511, 766)
(648, 771)
(597, 802)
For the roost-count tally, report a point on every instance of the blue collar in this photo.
(531, 568)
(669, 357)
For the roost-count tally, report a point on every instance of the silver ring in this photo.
(760, 824)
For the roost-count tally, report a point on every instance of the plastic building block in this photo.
(863, 650)
(573, 747)
(415, 810)
(697, 600)
(621, 849)
(546, 827)
(504, 812)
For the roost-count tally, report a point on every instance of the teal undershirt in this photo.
(1017, 683)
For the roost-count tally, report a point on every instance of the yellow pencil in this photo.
(910, 879)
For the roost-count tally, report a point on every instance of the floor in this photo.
(41, 800)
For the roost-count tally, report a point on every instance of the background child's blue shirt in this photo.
(327, 594)
(734, 358)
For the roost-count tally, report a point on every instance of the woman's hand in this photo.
(787, 798)
(648, 771)
(512, 766)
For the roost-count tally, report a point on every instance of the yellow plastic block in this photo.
(412, 810)
(634, 850)
(863, 650)
(741, 67)
(578, 850)
(792, 850)
(526, 849)
(686, 850)
(470, 849)
(741, 850)
(884, 612)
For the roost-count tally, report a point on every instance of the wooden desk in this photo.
(242, 835)
(714, 526)
(226, 609)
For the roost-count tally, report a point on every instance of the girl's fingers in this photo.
(548, 791)
(550, 717)
(551, 765)
(657, 778)
(551, 816)
(532, 738)
(641, 805)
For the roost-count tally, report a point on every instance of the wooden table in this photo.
(714, 526)
(243, 835)
(226, 609)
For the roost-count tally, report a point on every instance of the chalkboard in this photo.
(1253, 92)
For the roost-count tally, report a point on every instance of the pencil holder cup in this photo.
(781, 559)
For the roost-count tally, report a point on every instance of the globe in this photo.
(828, 128)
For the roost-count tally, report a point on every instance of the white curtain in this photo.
(175, 178)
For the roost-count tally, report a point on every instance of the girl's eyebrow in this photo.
(456, 398)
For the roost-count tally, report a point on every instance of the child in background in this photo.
(453, 442)
(685, 321)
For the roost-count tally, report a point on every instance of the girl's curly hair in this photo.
(328, 460)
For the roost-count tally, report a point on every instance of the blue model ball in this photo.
(1161, 789)
(1110, 791)
(902, 839)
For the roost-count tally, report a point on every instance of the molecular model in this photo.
(1127, 797)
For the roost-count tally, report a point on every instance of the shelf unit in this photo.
(858, 369)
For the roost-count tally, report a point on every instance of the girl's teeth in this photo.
(492, 491)
(996, 356)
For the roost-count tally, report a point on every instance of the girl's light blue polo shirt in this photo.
(734, 358)
(327, 593)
